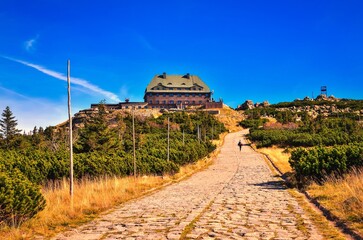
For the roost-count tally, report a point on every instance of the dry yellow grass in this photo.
(279, 158)
(343, 197)
(92, 197)
(270, 119)
(230, 118)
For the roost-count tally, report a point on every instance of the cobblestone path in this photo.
(235, 198)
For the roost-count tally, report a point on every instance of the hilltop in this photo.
(227, 115)
(322, 105)
(230, 118)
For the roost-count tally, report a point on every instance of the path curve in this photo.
(235, 198)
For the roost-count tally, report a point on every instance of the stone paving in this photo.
(235, 198)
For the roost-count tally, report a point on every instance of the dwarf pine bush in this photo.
(20, 199)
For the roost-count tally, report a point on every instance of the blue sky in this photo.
(258, 50)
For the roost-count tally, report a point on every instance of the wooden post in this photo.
(168, 157)
(70, 131)
(133, 139)
(212, 132)
(183, 137)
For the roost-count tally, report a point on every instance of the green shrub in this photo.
(20, 199)
(319, 162)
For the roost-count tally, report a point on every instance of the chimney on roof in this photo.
(164, 75)
(187, 76)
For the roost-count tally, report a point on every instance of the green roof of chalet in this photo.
(187, 82)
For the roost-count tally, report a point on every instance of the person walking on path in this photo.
(240, 145)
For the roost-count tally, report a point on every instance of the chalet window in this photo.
(200, 102)
(183, 84)
(179, 95)
(187, 94)
(157, 101)
(193, 102)
(171, 102)
(164, 94)
(199, 94)
(179, 102)
(186, 102)
(169, 83)
(164, 102)
(200, 88)
(171, 95)
(193, 95)
(179, 88)
(157, 94)
(150, 101)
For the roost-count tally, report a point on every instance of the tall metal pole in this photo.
(70, 131)
(133, 139)
(168, 140)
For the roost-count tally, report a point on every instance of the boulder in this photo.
(248, 104)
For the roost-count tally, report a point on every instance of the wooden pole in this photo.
(212, 132)
(133, 139)
(70, 131)
(168, 157)
(183, 137)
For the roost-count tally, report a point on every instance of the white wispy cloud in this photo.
(77, 81)
(30, 44)
(32, 112)
(145, 43)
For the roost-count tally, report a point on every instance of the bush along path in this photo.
(235, 198)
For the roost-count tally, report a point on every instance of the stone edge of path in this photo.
(329, 216)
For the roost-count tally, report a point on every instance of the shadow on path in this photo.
(273, 185)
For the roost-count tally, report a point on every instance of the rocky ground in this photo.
(237, 197)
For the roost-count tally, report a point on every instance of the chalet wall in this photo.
(177, 98)
(214, 105)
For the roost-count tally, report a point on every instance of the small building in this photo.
(123, 105)
(177, 91)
